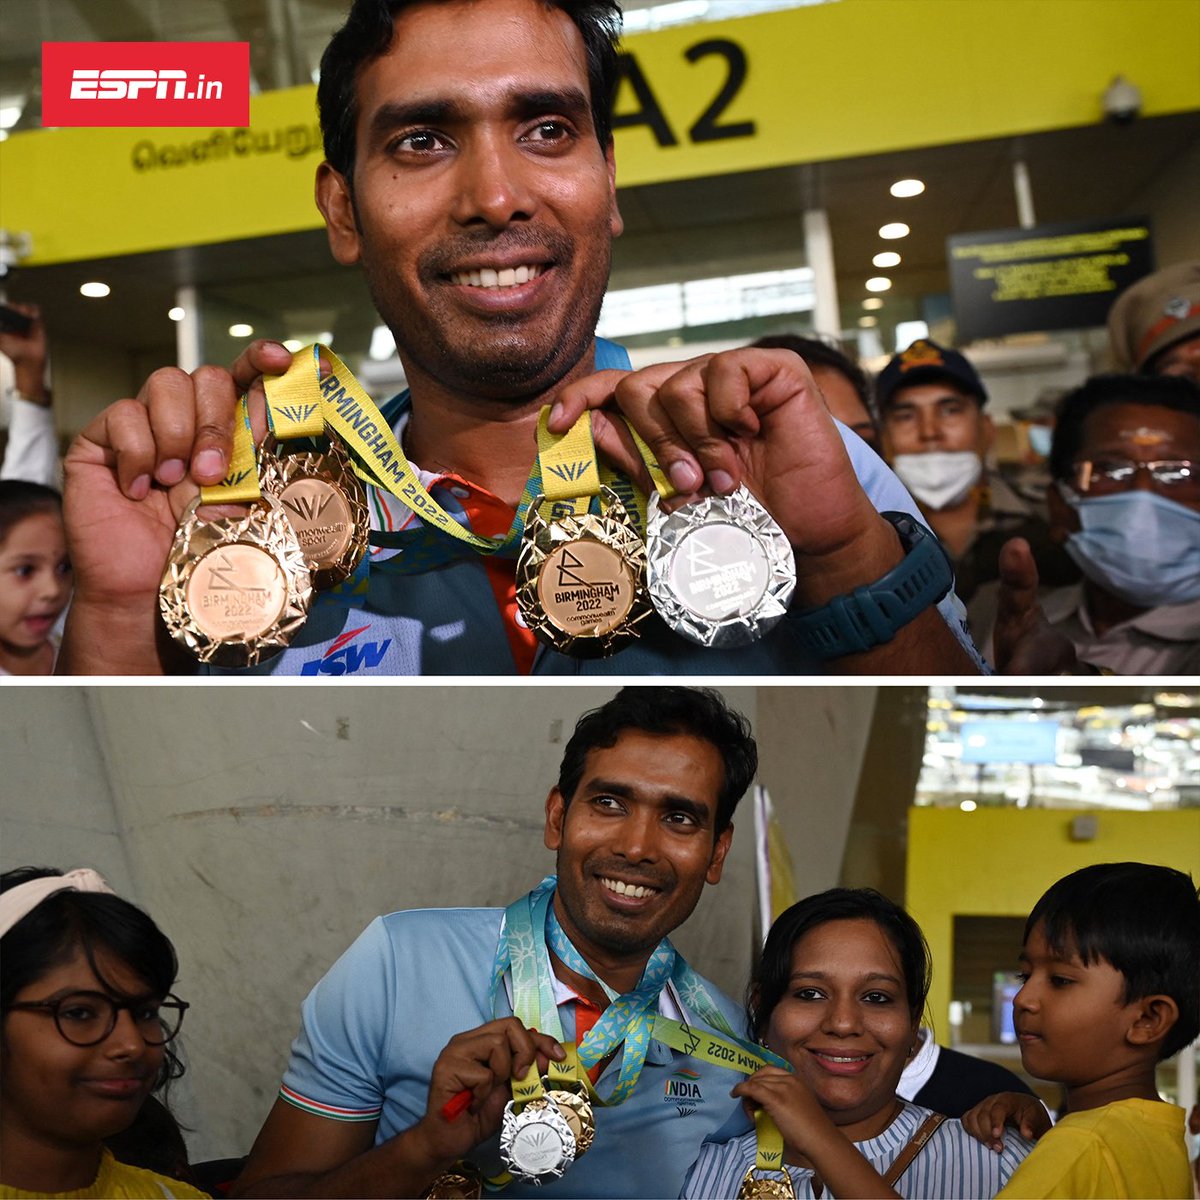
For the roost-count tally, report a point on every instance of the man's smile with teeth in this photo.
(627, 889)
(488, 277)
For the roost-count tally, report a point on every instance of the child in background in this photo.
(1111, 967)
(35, 577)
(87, 1017)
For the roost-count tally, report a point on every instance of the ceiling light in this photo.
(94, 289)
(879, 283)
(240, 331)
(873, 302)
(968, 806)
(894, 229)
(868, 322)
(886, 258)
(176, 313)
(903, 188)
(293, 344)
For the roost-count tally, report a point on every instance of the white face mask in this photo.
(940, 478)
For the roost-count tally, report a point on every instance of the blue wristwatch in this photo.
(871, 615)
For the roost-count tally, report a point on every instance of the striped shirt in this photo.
(952, 1163)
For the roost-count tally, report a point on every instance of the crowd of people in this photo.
(484, 230)
(533, 1049)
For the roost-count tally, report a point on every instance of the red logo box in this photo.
(146, 84)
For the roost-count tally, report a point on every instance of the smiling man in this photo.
(420, 1008)
(470, 175)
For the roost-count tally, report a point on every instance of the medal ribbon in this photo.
(240, 485)
(293, 409)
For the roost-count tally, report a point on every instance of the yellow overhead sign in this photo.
(833, 80)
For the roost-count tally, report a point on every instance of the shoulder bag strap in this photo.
(915, 1145)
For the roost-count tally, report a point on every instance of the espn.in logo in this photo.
(117, 85)
(146, 84)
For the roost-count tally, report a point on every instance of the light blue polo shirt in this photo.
(373, 1027)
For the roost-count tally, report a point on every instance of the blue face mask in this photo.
(1040, 439)
(1138, 545)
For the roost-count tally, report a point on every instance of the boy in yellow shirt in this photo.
(1111, 970)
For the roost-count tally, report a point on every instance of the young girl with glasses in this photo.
(88, 1017)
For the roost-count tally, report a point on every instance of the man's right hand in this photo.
(130, 475)
(482, 1061)
(1025, 643)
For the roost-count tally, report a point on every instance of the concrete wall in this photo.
(264, 827)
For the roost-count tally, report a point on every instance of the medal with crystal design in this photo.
(766, 1187)
(326, 504)
(577, 1112)
(580, 580)
(720, 571)
(462, 1182)
(235, 590)
(536, 1144)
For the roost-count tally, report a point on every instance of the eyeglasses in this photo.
(1179, 477)
(87, 1018)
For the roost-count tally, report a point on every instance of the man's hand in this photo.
(1025, 1113)
(27, 352)
(745, 416)
(130, 475)
(1024, 641)
(756, 417)
(482, 1061)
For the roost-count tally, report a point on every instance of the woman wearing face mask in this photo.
(839, 993)
(1125, 503)
(88, 1018)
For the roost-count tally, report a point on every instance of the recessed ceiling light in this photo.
(293, 344)
(886, 258)
(895, 229)
(240, 331)
(879, 283)
(873, 302)
(176, 313)
(868, 322)
(95, 289)
(903, 188)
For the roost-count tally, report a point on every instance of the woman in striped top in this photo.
(839, 992)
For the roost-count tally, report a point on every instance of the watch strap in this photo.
(871, 615)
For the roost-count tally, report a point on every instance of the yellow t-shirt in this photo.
(1129, 1148)
(117, 1181)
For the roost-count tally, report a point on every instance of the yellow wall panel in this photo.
(998, 861)
(833, 80)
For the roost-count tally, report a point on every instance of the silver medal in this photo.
(720, 571)
(537, 1144)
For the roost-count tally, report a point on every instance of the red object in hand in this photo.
(456, 1105)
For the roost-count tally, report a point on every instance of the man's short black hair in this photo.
(664, 711)
(1144, 920)
(1163, 391)
(368, 33)
(817, 352)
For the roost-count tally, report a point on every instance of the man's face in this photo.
(935, 416)
(845, 403)
(484, 207)
(636, 844)
(1129, 433)
(1181, 359)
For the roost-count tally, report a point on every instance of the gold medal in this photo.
(235, 591)
(756, 1186)
(326, 504)
(577, 1112)
(462, 1182)
(581, 579)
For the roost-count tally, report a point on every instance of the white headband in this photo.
(21, 900)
